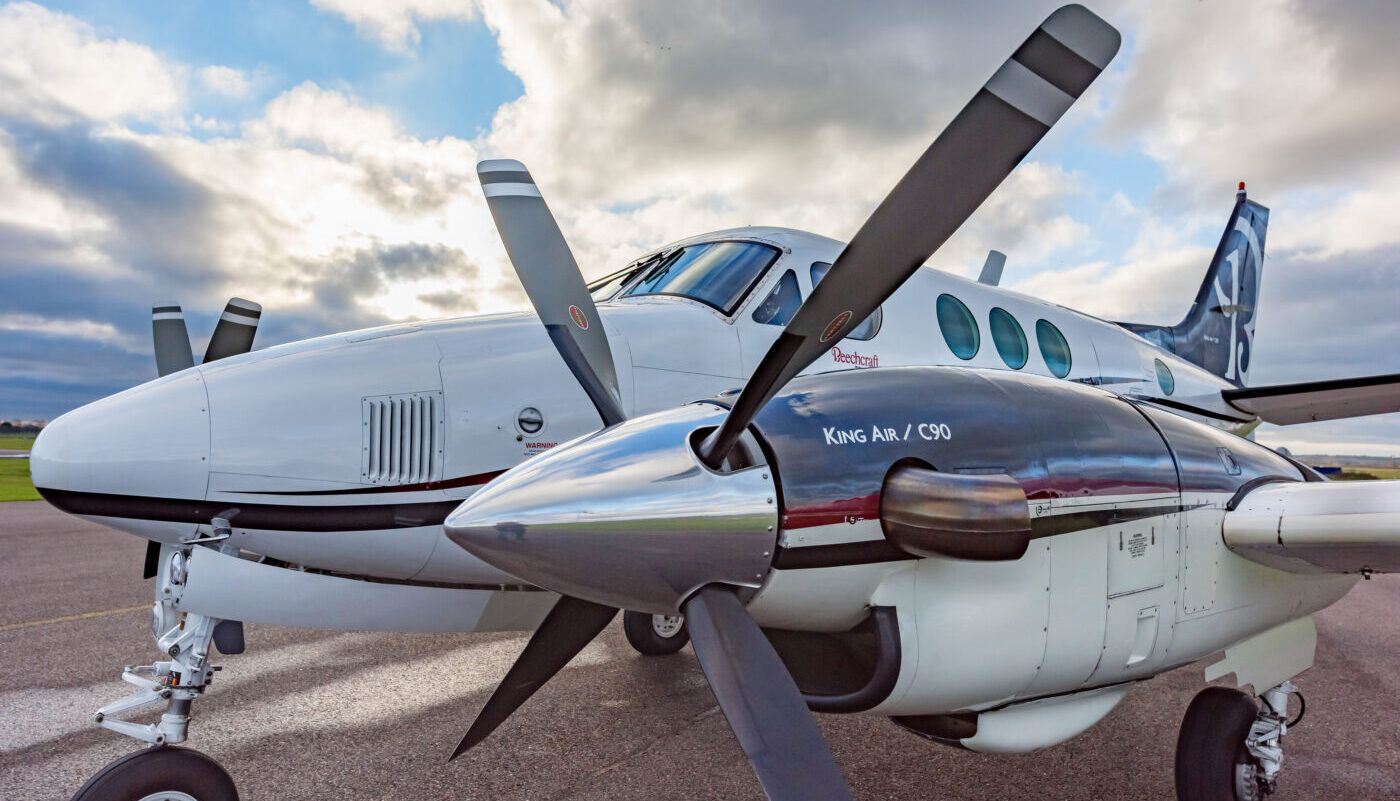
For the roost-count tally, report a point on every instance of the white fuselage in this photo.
(345, 453)
(415, 416)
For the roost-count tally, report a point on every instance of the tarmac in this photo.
(307, 714)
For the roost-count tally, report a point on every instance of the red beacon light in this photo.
(1241, 186)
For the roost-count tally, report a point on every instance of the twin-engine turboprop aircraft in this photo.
(1065, 485)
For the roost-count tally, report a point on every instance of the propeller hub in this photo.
(627, 517)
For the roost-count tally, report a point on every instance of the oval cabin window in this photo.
(959, 327)
(1009, 338)
(1053, 347)
(1164, 377)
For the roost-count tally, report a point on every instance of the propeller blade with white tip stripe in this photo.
(551, 278)
(171, 339)
(235, 331)
(974, 154)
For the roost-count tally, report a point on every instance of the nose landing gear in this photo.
(163, 772)
(1229, 747)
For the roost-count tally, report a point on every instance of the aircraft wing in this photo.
(1318, 527)
(1286, 404)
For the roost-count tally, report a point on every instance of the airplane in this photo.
(309, 484)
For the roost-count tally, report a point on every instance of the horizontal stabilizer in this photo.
(1319, 527)
(1286, 404)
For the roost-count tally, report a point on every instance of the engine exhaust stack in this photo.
(985, 518)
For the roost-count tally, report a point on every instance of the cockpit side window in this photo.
(782, 303)
(718, 274)
(870, 326)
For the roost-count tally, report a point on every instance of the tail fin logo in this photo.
(1236, 293)
(1218, 331)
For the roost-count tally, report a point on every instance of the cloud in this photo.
(351, 279)
(644, 123)
(226, 81)
(395, 24)
(320, 205)
(55, 69)
(1286, 94)
(1371, 436)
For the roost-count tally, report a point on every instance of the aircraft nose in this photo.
(149, 441)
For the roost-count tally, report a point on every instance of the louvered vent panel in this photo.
(402, 438)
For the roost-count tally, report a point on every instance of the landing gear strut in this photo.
(655, 635)
(161, 771)
(1229, 747)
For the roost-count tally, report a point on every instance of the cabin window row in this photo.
(964, 337)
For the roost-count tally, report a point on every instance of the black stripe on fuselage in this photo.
(873, 551)
(1064, 523)
(426, 486)
(373, 517)
(846, 553)
(263, 516)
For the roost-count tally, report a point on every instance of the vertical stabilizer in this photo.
(1218, 331)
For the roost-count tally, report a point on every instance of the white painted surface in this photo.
(239, 589)
(1040, 724)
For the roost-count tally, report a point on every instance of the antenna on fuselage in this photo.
(991, 270)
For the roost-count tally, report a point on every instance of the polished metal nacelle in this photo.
(629, 516)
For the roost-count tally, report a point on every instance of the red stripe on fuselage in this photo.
(852, 510)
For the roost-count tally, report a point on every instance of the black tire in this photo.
(1211, 744)
(154, 770)
(643, 635)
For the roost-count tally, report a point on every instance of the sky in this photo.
(319, 157)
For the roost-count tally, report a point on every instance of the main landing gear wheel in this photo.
(1212, 761)
(160, 774)
(655, 635)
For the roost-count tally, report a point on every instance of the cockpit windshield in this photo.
(718, 274)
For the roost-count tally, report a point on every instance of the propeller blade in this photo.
(235, 331)
(761, 701)
(569, 626)
(552, 279)
(171, 339)
(973, 155)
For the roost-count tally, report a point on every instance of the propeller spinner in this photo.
(674, 511)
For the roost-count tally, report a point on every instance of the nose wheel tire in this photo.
(1212, 762)
(655, 635)
(160, 774)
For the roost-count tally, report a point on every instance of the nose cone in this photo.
(149, 441)
(627, 517)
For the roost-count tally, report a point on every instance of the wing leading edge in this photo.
(1286, 404)
(1319, 527)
